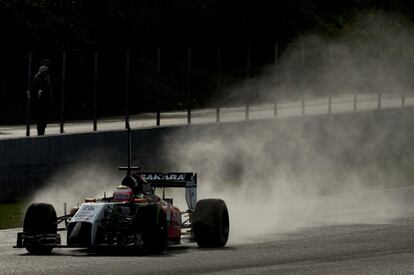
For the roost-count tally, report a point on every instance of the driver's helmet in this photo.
(131, 182)
(123, 193)
(137, 184)
(144, 185)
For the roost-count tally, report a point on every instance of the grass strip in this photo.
(12, 214)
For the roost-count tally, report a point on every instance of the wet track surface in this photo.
(355, 248)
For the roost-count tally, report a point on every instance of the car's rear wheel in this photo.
(40, 218)
(154, 228)
(210, 223)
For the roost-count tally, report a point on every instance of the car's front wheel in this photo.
(40, 218)
(154, 228)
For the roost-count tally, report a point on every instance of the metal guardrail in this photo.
(280, 109)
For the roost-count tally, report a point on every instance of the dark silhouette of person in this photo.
(42, 90)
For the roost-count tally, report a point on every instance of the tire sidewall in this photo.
(40, 218)
(211, 223)
(153, 224)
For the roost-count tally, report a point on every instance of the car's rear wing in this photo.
(174, 180)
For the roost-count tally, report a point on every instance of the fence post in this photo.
(248, 65)
(406, 62)
(330, 95)
(330, 103)
(355, 101)
(62, 94)
(303, 60)
(331, 79)
(158, 79)
(218, 82)
(95, 90)
(28, 92)
(189, 85)
(379, 100)
(303, 104)
(127, 85)
(275, 63)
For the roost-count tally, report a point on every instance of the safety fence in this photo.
(99, 90)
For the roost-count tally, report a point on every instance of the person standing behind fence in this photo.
(42, 90)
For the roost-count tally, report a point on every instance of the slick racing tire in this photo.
(40, 218)
(154, 228)
(211, 223)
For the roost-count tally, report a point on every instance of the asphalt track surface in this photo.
(342, 248)
(314, 106)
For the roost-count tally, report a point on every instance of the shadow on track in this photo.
(84, 252)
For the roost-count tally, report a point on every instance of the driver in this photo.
(138, 185)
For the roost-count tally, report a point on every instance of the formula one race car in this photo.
(134, 217)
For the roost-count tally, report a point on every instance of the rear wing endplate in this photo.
(174, 180)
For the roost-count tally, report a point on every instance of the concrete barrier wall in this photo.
(26, 163)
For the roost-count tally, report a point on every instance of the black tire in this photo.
(210, 223)
(153, 224)
(40, 218)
